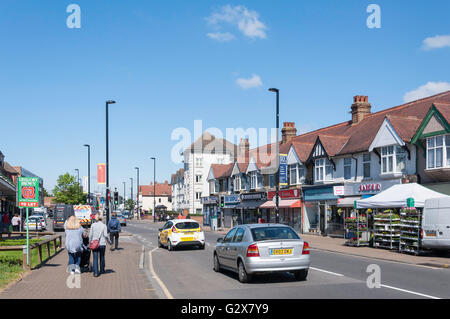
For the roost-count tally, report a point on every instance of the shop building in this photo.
(8, 176)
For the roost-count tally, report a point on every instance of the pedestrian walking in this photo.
(114, 229)
(5, 223)
(16, 222)
(98, 233)
(74, 243)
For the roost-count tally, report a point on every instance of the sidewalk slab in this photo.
(123, 279)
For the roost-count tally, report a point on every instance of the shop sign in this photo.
(338, 190)
(370, 188)
(28, 192)
(285, 194)
(283, 170)
(210, 200)
(253, 196)
(231, 199)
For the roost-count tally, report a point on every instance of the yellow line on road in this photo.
(160, 283)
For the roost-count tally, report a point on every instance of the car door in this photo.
(225, 252)
(165, 233)
(234, 246)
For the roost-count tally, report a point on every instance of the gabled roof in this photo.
(222, 170)
(209, 144)
(160, 189)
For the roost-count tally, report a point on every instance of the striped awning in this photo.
(284, 203)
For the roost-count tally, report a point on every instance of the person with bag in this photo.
(98, 237)
(114, 229)
(74, 243)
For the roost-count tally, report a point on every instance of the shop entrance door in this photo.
(322, 217)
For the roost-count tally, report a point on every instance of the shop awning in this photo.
(347, 201)
(284, 203)
(250, 204)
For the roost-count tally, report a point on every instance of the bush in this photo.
(10, 260)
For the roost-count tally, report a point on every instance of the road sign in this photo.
(28, 192)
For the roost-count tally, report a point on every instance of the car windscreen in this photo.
(273, 233)
(187, 225)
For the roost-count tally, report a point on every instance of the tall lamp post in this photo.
(154, 186)
(277, 175)
(78, 181)
(137, 196)
(131, 178)
(89, 173)
(108, 194)
(123, 195)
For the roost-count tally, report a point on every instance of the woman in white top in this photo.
(98, 231)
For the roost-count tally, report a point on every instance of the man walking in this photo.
(114, 230)
(16, 222)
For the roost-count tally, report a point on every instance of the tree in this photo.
(46, 194)
(68, 191)
(129, 204)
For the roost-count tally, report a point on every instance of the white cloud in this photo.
(253, 82)
(246, 20)
(429, 89)
(436, 42)
(222, 37)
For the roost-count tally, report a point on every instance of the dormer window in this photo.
(393, 159)
(323, 170)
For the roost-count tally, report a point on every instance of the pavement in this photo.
(123, 279)
(337, 245)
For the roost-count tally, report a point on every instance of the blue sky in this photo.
(156, 59)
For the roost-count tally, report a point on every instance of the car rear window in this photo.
(187, 225)
(270, 233)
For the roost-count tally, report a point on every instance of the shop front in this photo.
(231, 213)
(289, 208)
(321, 214)
(249, 212)
(210, 209)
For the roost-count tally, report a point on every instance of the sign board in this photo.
(338, 190)
(253, 196)
(101, 174)
(285, 194)
(28, 192)
(283, 170)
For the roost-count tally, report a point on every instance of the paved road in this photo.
(188, 273)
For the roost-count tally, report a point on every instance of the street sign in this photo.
(283, 170)
(28, 192)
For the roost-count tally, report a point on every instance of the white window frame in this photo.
(198, 178)
(237, 183)
(320, 170)
(254, 180)
(434, 148)
(293, 174)
(388, 153)
(348, 165)
(198, 195)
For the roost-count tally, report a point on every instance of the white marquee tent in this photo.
(396, 196)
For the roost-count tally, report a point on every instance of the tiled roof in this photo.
(161, 189)
(222, 170)
(209, 144)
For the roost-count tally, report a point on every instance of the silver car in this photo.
(262, 248)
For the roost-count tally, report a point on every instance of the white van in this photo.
(436, 223)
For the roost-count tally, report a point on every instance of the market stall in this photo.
(392, 217)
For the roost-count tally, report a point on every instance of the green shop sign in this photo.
(28, 192)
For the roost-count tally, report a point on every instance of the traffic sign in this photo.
(28, 192)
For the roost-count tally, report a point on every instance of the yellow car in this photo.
(181, 232)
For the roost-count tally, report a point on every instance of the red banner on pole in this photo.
(101, 173)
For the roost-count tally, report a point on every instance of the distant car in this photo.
(262, 248)
(122, 219)
(41, 219)
(181, 232)
(126, 214)
(34, 224)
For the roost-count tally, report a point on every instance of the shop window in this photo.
(366, 165)
(347, 168)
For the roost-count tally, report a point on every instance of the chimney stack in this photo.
(360, 108)
(243, 151)
(288, 132)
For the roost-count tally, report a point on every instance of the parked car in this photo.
(41, 219)
(181, 232)
(34, 224)
(436, 224)
(125, 214)
(262, 248)
(122, 219)
(61, 213)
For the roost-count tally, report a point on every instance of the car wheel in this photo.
(159, 243)
(216, 263)
(202, 247)
(301, 274)
(242, 273)
(169, 245)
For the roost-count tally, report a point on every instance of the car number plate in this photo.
(187, 238)
(281, 251)
(430, 233)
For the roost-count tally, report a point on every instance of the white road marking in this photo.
(141, 261)
(326, 271)
(161, 284)
(410, 292)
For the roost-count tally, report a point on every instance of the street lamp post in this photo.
(108, 194)
(154, 187)
(123, 195)
(78, 181)
(89, 173)
(277, 179)
(131, 178)
(137, 196)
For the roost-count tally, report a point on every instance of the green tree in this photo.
(129, 204)
(68, 191)
(47, 194)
